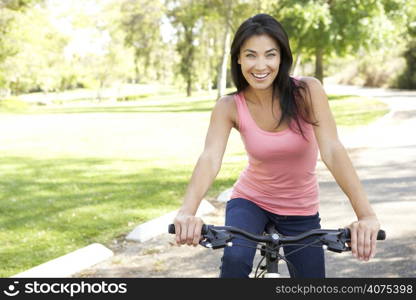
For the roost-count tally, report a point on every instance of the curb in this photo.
(69, 264)
(225, 195)
(159, 225)
(74, 262)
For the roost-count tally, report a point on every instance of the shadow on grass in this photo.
(176, 107)
(35, 189)
(166, 106)
(50, 207)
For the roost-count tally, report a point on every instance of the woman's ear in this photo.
(238, 60)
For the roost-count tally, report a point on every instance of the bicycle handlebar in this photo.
(216, 237)
(283, 239)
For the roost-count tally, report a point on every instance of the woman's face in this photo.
(259, 59)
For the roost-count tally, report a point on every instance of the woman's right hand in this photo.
(187, 229)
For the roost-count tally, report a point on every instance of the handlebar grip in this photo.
(171, 229)
(381, 235)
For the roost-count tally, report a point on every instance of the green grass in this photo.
(50, 207)
(13, 106)
(73, 175)
(356, 111)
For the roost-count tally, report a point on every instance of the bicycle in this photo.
(217, 237)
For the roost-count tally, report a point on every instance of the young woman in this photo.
(283, 122)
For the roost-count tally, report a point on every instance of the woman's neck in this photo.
(259, 97)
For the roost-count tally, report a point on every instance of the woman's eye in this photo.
(272, 54)
(249, 55)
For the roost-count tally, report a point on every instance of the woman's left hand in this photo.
(363, 237)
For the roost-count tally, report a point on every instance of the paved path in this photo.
(385, 160)
(384, 155)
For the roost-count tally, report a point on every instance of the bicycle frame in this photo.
(272, 258)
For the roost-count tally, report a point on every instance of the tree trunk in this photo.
(296, 65)
(222, 74)
(100, 90)
(189, 59)
(319, 69)
(209, 82)
(136, 68)
(189, 87)
(189, 72)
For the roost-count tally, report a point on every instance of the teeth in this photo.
(260, 75)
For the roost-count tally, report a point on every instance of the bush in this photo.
(407, 79)
(376, 70)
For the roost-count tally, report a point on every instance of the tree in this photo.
(108, 62)
(229, 14)
(17, 5)
(8, 11)
(186, 16)
(141, 21)
(223, 13)
(407, 79)
(38, 60)
(88, 51)
(322, 28)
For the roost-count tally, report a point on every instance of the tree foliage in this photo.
(141, 21)
(9, 9)
(325, 28)
(187, 17)
(186, 42)
(37, 48)
(407, 79)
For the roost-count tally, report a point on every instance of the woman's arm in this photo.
(187, 226)
(333, 154)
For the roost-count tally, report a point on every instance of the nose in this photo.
(261, 64)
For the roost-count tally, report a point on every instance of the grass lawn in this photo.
(72, 175)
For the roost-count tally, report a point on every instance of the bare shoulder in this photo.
(226, 101)
(313, 83)
(227, 106)
(316, 93)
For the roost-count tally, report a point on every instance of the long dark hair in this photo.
(292, 92)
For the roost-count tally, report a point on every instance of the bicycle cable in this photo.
(257, 268)
(289, 264)
(271, 251)
(304, 246)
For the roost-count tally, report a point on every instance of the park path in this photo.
(384, 154)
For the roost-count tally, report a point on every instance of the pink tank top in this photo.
(281, 172)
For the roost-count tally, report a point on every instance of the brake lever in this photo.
(216, 239)
(336, 242)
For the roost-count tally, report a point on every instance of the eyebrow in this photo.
(270, 50)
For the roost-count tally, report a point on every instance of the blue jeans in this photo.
(237, 261)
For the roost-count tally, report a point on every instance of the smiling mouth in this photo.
(260, 76)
